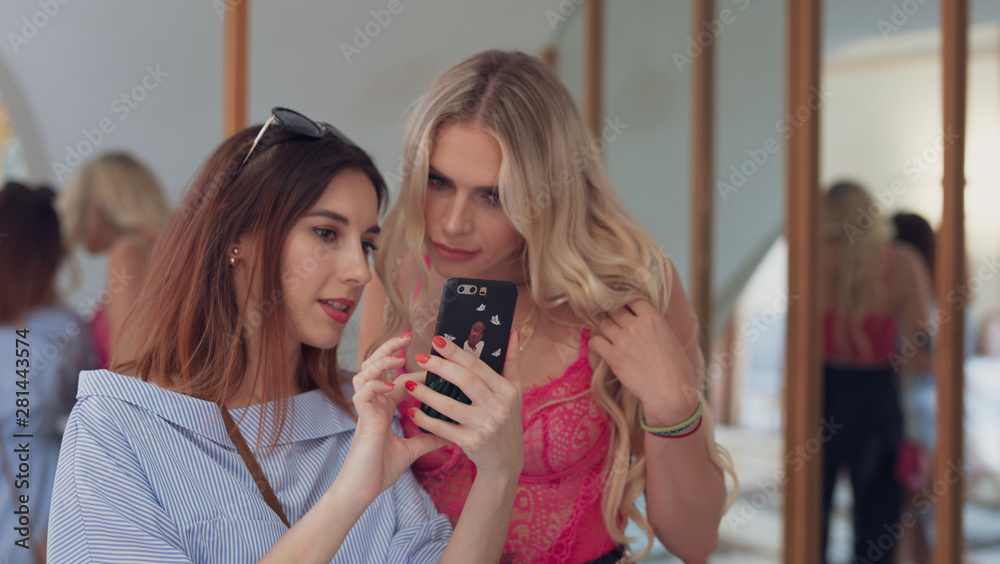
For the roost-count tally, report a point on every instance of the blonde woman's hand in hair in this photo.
(647, 356)
(490, 430)
(378, 456)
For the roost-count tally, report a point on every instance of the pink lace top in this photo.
(557, 512)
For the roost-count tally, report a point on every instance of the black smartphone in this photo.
(477, 315)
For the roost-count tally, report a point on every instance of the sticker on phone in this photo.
(474, 344)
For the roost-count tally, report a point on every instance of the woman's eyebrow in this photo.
(334, 216)
(445, 176)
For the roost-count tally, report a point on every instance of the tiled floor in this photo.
(751, 531)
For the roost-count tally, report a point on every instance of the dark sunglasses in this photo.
(298, 124)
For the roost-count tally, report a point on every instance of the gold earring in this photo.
(232, 261)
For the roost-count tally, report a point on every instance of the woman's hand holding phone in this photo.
(378, 456)
(489, 430)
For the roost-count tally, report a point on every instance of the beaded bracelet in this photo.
(682, 429)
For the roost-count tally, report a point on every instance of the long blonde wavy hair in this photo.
(859, 237)
(582, 246)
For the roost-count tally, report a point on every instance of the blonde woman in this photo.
(875, 296)
(496, 184)
(114, 205)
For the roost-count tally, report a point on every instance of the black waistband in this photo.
(611, 557)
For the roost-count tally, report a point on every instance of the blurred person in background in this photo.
(982, 394)
(873, 295)
(919, 400)
(41, 381)
(114, 204)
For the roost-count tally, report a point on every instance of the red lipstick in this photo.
(453, 253)
(339, 314)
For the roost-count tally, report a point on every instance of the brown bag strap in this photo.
(251, 461)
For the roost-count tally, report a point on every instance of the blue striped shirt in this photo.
(149, 475)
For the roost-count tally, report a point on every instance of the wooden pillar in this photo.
(702, 168)
(948, 362)
(593, 67)
(234, 102)
(803, 382)
(720, 392)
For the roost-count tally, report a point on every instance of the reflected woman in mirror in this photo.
(874, 294)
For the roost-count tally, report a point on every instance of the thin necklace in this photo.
(527, 328)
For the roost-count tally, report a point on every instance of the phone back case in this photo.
(476, 315)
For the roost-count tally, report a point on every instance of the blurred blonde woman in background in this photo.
(873, 293)
(498, 183)
(114, 204)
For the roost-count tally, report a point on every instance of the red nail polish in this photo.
(400, 355)
(411, 412)
(404, 335)
(410, 385)
(422, 358)
(439, 342)
(390, 384)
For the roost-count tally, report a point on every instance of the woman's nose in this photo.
(355, 270)
(459, 218)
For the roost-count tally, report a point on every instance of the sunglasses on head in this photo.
(296, 123)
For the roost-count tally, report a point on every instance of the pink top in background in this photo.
(101, 331)
(868, 343)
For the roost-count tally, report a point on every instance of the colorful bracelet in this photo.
(682, 429)
(685, 433)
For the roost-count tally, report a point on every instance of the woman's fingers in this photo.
(492, 440)
(449, 407)
(375, 370)
(642, 306)
(462, 359)
(424, 443)
(467, 380)
(447, 431)
(389, 348)
(398, 390)
(365, 397)
(382, 360)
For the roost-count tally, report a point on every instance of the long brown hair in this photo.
(189, 330)
(30, 250)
